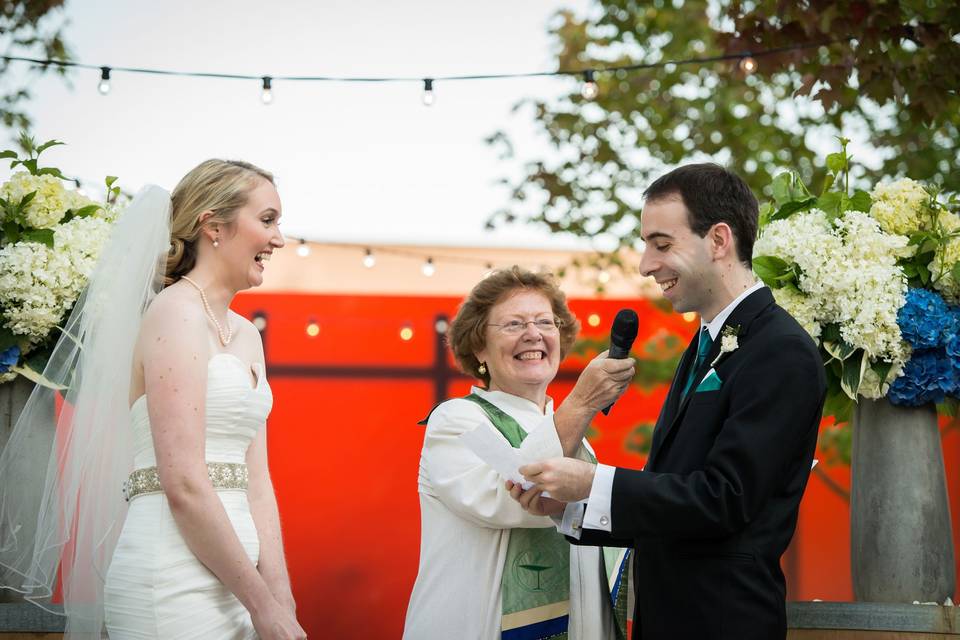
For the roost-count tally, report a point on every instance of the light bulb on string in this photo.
(303, 249)
(589, 90)
(748, 64)
(428, 268)
(603, 277)
(488, 270)
(428, 97)
(104, 85)
(266, 94)
(369, 259)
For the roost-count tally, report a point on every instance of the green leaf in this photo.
(50, 171)
(837, 162)
(860, 201)
(923, 274)
(853, 369)
(955, 272)
(792, 207)
(831, 203)
(49, 143)
(11, 232)
(8, 154)
(43, 236)
(827, 183)
(86, 211)
(882, 369)
(839, 350)
(831, 332)
(772, 270)
(7, 338)
(787, 187)
(110, 180)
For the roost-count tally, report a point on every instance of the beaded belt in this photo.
(223, 475)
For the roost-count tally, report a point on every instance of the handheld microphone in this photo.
(622, 334)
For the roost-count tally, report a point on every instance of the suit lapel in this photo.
(748, 309)
(671, 404)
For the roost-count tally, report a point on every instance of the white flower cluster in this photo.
(51, 202)
(849, 277)
(38, 284)
(898, 206)
(942, 265)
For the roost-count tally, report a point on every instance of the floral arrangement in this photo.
(874, 278)
(50, 238)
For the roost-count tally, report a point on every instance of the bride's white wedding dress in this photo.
(155, 587)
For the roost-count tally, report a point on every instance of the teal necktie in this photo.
(702, 350)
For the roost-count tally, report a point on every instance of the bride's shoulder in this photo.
(173, 315)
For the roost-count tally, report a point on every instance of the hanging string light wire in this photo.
(737, 56)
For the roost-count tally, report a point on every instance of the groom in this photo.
(716, 505)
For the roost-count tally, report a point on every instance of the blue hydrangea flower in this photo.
(927, 377)
(924, 319)
(9, 358)
(952, 351)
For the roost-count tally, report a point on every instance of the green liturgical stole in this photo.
(535, 588)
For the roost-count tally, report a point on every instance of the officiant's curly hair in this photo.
(221, 186)
(467, 333)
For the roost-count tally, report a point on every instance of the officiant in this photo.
(488, 568)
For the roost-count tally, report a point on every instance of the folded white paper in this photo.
(493, 449)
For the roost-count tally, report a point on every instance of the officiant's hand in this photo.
(567, 479)
(534, 503)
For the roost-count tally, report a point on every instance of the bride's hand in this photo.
(278, 623)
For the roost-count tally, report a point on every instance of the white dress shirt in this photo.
(598, 511)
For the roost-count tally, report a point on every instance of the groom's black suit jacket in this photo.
(716, 505)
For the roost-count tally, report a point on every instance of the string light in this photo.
(593, 320)
(603, 277)
(259, 321)
(303, 249)
(266, 95)
(369, 260)
(428, 268)
(313, 329)
(689, 316)
(589, 90)
(747, 62)
(104, 85)
(406, 334)
(428, 97)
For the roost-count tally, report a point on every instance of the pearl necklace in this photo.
(224, 339)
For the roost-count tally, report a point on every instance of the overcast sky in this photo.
(355, 162)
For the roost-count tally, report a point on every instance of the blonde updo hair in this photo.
(468, 331)
(221, 186)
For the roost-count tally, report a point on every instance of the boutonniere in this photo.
(728, 342)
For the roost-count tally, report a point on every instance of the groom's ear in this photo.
(722, 243)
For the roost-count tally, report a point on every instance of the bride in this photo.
(167, 399)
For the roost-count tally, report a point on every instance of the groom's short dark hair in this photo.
(712, 194)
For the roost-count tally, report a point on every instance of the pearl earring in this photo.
(482, 369)
(216, 243)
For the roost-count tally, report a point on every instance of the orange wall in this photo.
(344, 450)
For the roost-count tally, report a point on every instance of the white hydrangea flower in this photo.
(51, 202)
(849, 277)
(39, 284)
(898, 206)
(942, 264)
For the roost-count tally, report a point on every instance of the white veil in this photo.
(73, 522)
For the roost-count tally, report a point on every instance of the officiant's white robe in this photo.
(466, 514)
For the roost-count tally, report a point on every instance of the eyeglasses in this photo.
(516, 327)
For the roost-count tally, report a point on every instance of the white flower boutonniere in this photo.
(728, 342)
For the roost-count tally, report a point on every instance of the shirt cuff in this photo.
(597, 515)
(572, 522)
